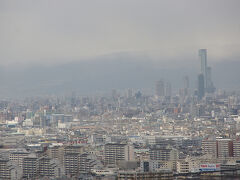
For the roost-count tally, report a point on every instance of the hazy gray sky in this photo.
(63, 30)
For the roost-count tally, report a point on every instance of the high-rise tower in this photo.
(203, 58)
(206, 71)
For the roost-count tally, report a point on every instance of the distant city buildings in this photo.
(160, 88)
(163, 89)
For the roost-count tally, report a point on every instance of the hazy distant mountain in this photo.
(119, 71)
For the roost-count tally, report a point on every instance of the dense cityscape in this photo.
(119, 90)
(194, 133)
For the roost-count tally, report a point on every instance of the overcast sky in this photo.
(65, 30)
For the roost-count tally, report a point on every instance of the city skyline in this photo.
(91, 77)
(106, 90)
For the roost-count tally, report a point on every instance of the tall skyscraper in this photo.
(201, 89)
(203, 59)
(160, 88)
(206, 71)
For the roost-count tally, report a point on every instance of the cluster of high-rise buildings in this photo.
(204, 80)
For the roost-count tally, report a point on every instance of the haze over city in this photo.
(161, 38)
(117, 90)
